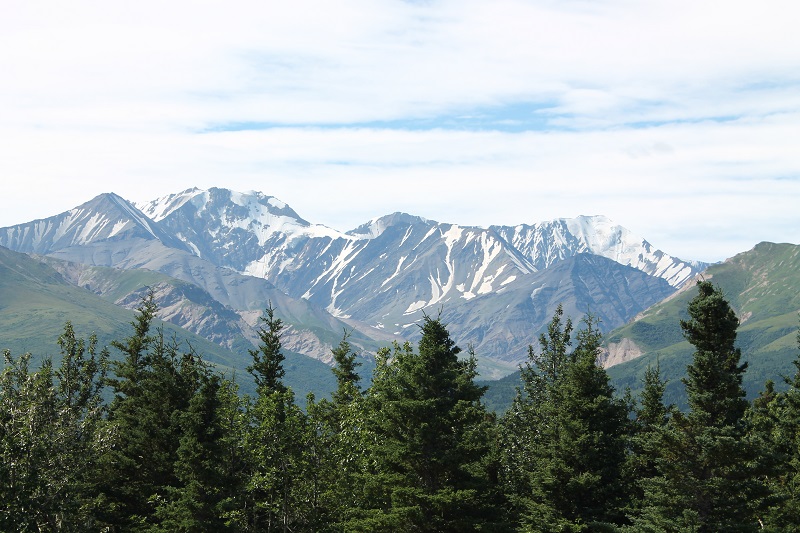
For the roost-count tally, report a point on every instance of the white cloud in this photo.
(678, 119)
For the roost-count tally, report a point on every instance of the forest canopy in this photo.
(146, 436)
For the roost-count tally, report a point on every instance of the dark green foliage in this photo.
(279, 476)
(267, 367)
(564, 439)
(430, 438)
(534, 406)
(134, 349)
(177, 449)
(775, 427)
(274, 445)
(651, 416)
(714, 382)
(652, 413)
(337, 443)
(206, 483)
(345, 371)
(706, 479)
(153, 387)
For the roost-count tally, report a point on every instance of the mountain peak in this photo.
(375, 227)
(106, 216)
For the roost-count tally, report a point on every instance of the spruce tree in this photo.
(775, 426)
(199, 502)
(153, 386)
(534, 409)
(275, 442)
(430, 443)
(651, 416)
(706, 480)
(336, 441)
(566, 437)
(344, 370)
(772, 429)
(267, 368)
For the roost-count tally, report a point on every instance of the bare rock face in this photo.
(619, 352)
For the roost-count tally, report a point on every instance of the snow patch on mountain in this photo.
(415, 306)
(386, 272)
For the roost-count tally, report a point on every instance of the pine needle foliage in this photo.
(706, 466)
(564, 440)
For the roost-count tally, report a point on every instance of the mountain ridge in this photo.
(380, 277)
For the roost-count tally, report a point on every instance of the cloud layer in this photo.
(676, 119)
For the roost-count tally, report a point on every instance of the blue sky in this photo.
(679, 120)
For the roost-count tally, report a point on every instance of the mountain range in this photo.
(216, 258)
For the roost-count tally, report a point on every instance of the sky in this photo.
(679, 120)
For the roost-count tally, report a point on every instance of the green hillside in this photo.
(763, 287)
(36, 301)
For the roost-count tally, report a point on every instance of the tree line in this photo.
(156, 440)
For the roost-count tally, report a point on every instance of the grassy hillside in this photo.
(35, 302)
(763, 287)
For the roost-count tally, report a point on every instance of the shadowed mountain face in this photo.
(495, 287)
(583, 283)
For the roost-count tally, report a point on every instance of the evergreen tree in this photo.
(48, 438)
(347, 377)
(775, 426)
(336, 442)
(652, 413)
(233, 420)
(205, 485)
(771, 430)
(706, 479)
(267, 368)
(651, 417)
(535, 406)
(430, 441)
(566, 437)
(277, 487)
(714, 382)
(153, 386)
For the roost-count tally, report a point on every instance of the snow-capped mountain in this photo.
(106, 217)
(384, 274)
(229, 228)
(548, 242)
